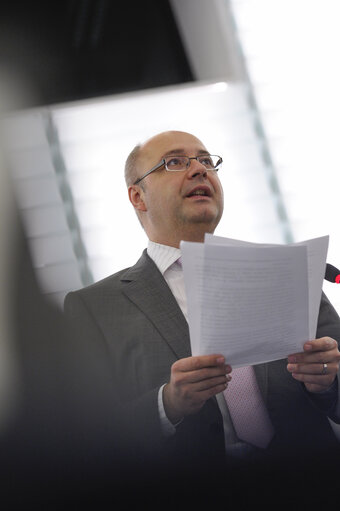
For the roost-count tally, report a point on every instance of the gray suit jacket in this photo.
(135, 316)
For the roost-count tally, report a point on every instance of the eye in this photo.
(176, 163)
(206, 161)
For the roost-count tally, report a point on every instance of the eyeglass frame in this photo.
(163, 162)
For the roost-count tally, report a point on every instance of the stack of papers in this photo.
(252, 302)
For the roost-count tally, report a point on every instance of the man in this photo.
(177, 400)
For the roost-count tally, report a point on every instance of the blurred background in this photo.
(84, 81)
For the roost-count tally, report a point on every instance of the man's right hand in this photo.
(193, 381)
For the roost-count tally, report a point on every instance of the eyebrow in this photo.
(182, 151)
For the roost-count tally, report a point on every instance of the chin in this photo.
(207, 217)
(207, 224)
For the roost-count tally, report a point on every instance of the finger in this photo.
(319, 357)
(210, 383)
(312, 369)
(316, 345)
(202, 374)
(199, 362)
(322, 344)
(315, 357)
(204, 395)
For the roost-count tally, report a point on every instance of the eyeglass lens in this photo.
(182, 162)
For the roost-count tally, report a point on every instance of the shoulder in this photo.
(116, 282)
(106, 283)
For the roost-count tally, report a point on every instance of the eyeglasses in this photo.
(180, 163)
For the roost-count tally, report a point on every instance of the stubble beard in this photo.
(197, 224)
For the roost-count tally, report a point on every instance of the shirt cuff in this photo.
(168, 429)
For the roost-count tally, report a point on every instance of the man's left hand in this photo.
(317, 365)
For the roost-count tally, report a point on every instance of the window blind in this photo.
(290, 50)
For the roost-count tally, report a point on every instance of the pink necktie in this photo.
(247, 409)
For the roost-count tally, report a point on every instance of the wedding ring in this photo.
(324, 369)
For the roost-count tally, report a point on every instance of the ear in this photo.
(136, 196)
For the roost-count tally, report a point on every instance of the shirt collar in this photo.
(163, 255)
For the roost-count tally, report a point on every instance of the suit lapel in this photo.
(261, 372)
(145, 286)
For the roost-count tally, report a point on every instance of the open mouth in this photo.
(200, 192)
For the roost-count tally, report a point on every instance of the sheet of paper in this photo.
(193, 267)
(316, 260)
(249, 303)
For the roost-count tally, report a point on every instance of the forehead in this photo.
(168, 143)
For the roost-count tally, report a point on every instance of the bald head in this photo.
(131, 173)
(146, 151)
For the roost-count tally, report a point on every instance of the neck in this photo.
(174, 240)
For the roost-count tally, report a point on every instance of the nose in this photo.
(196, 169)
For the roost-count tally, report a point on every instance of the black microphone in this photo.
(332, 274)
